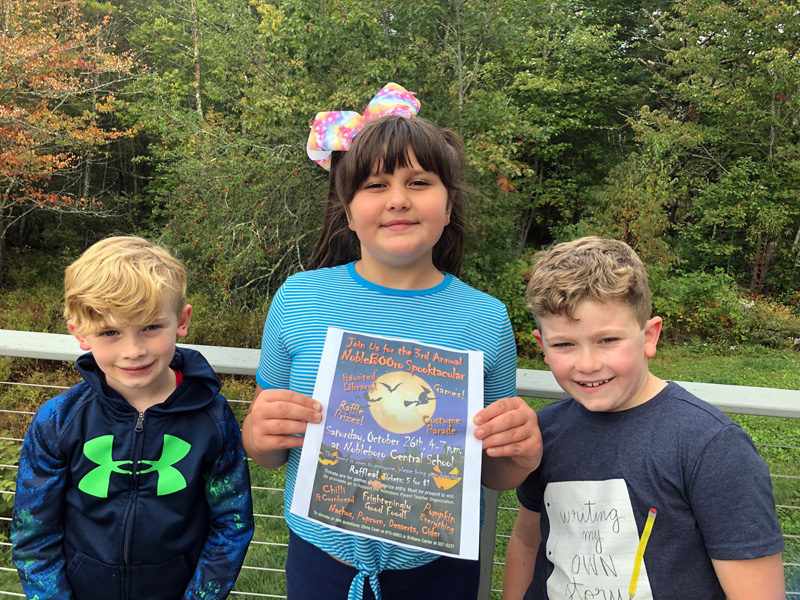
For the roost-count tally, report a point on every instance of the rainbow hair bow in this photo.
(335, 130)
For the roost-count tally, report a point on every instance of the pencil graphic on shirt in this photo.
(637, 562)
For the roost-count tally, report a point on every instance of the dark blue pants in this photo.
(312, 574)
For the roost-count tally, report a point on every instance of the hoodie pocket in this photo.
(91, 579)
(166, 581)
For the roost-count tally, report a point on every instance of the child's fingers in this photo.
(510, 429)
(279, 396)
(519, 441)
(495, 409)
(277, 426)
(270, 443)
(506, 413)
(286, 405)
(277, 420)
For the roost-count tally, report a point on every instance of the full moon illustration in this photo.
(400, 401)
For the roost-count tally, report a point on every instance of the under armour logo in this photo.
(97, 481)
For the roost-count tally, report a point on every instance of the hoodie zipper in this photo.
(127, 541)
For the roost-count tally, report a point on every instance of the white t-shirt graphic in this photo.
(593, 541)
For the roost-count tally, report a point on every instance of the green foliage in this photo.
(509, 286)
(674, 128)
(549, 137)
(697, 304)
(722, 139)
(35, 308)
(771, 324)
(632, 206)
(791, 300)
(247, 223)
(712, 308)
(9, 455)
(32, 270)
(212, 326)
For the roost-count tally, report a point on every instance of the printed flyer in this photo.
(394, 457)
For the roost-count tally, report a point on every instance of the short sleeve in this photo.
(531, 492)
(274, 366)
(501, 379)
(731, 495)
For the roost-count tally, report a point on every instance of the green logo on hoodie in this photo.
(97, 481)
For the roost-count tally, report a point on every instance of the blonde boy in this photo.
(644, 490)
(132, 484)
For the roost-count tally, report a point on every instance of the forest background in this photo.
(674, 126)
(671, 125)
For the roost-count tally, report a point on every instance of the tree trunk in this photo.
(796, 241)
(3, 229)
(195, 30)
(529, 215)
(763, 265)
(87, 174)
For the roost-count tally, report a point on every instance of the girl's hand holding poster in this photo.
(394, 457)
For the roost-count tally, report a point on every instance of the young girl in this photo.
(385, 264)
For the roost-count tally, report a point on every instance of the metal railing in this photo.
(268, 546)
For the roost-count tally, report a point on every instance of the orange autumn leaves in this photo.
(54, 95)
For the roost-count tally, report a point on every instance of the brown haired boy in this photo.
(644, 490)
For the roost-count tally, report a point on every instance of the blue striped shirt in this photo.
(451, 314)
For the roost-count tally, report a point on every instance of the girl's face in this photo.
(398, 218)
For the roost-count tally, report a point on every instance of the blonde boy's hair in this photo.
(589, 268)
(125, 278)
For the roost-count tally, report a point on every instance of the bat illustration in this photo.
(370, 399)
(390, 388)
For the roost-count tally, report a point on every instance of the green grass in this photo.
(272, 530)
(695, 362)
(733, 365)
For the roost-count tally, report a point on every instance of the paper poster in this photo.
(395, 457)
(594, 542)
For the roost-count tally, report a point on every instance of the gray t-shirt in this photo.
(603, 473)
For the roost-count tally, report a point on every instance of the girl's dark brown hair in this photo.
(383, 146)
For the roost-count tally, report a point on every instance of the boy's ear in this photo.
(83, 341)
(652, 331)
(183, 321)
(538, 335)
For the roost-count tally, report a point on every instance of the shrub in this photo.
(698, 304)
(771, 324)
(224, 326)
(34, 308)
(710, 306)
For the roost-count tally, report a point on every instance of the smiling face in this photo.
(136, 358)
(600, 357)
(398, 218)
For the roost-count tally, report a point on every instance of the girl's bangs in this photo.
(387, 149)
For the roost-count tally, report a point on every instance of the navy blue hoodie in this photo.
(116, 504)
